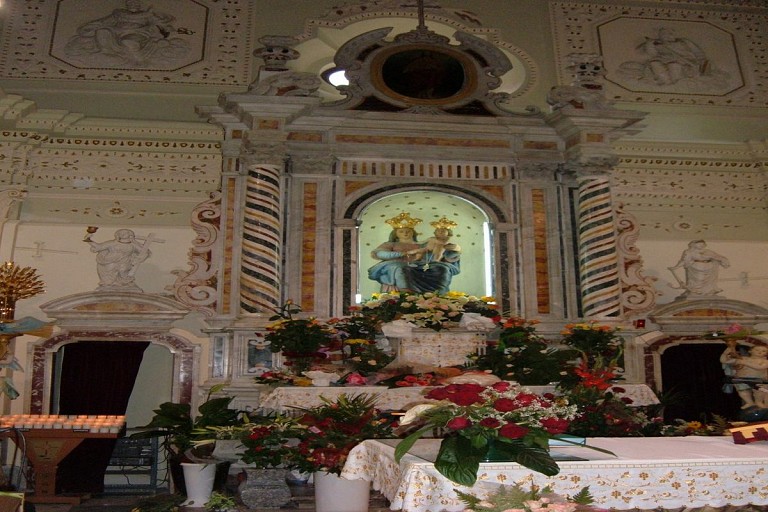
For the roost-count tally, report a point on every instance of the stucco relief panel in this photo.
(659, 54)
(169, 41)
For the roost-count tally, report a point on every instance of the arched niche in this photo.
(113, 316)
(364, 218)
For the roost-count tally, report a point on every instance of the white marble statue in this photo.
(701, 267)
(118, 259)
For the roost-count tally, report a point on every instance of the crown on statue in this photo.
(443, 223)
(404, 220)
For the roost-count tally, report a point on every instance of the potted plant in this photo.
(174, 423)
(331, 431)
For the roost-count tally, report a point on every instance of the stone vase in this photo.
(265, 488)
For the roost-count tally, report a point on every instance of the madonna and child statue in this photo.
(408, 265)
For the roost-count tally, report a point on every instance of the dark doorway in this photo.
(95, 377)
(693, 377)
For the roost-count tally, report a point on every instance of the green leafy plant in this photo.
(517, 423)
(179, 429)
(514, 498)
(220, 502)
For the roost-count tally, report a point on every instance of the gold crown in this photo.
(404, 220)
(443, 223)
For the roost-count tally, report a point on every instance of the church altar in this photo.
(284, 398)
(646, 473)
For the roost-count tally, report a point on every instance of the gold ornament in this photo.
(443, 223)
(404, 220)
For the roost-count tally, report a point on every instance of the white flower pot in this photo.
(198, 479)
(336, 494)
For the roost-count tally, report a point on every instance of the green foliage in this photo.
(514, 497)
(521, 355)
(220, 502)
(160, 503)
(174, 422)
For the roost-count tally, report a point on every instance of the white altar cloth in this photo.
(286, 398)
(646, 473)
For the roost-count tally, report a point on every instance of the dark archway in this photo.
(693, 378)
(111, 368)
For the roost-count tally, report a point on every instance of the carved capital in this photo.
(276, 51)
(270, 153)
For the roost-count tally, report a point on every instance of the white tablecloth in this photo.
(284, 398)
(646, 473)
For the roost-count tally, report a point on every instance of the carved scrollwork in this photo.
(197, 287)
(638, 294)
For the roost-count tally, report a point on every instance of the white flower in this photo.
(415, 412)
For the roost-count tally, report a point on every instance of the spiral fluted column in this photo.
(598, 256)
(261, 242)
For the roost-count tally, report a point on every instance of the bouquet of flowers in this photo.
(602, 410)
(299, 339)
(680, 427)
(513, 498)
(503, 417)
(364, 357)
(332, 429)
(429, 310)
(267, 441)
(522, 355)
(594, 341)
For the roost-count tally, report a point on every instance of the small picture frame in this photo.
(260, 359)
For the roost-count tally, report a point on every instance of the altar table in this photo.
(47, 439)
(286, 399)
(645, 473)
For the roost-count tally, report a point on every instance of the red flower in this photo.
(505, 405)
(458, 423)
(502, 386)
(555, 425)
(490, 423)
(513, 431)
(459, 394)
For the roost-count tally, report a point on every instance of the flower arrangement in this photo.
(680, 427)
(521, 355)
(602, 410)
(329, 431)
(268, 441)
(594, 340)
(428, 310)
(513, 498)
(508, 418)
(364, 357)
(299, 339)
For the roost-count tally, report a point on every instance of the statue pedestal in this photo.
(448, 347)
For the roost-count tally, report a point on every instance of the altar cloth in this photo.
(644, 473)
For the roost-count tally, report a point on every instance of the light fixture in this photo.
(16, 283)
(335, 76)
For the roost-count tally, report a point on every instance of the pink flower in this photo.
(355, 379)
